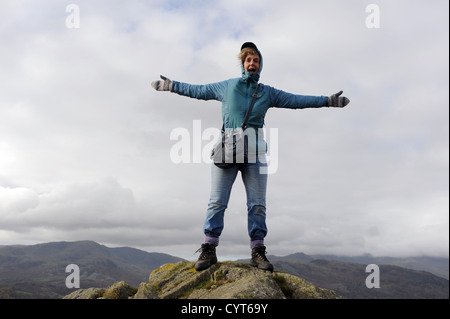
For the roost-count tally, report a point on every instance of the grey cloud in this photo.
(84, 139)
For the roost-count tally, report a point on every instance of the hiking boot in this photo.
(260, 260)
(207, 257)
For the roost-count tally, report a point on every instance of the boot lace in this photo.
(204, 250)
(260, 253)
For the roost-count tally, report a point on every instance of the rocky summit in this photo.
(224, 280)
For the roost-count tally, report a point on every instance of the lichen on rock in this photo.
(224, 280)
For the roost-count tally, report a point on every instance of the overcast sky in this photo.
(85, 141)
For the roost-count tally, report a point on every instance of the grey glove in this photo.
(336, 100)
(164, 85)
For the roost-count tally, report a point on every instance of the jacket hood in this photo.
(247, 76)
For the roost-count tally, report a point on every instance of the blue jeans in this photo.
(255, 186)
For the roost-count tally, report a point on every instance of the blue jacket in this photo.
(236, 94)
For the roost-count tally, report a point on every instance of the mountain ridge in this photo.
(349, 280)
(38, 271)
(438, 266)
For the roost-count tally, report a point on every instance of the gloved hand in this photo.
(336, 100)
(164, 85)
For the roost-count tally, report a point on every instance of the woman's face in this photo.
(251, 63)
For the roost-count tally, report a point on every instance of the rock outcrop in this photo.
(224, 280)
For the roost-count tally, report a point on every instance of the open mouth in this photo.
(252, 70)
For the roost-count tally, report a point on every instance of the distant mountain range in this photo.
(400, 278)
(39, 271)
(435, 265)
(349, 280)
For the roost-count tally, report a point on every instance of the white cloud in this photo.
(85, 146)
(15, 201)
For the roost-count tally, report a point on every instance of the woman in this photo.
(236, 95)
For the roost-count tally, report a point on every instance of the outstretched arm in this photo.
(213, 91)
(283, 99)
(288, 100)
